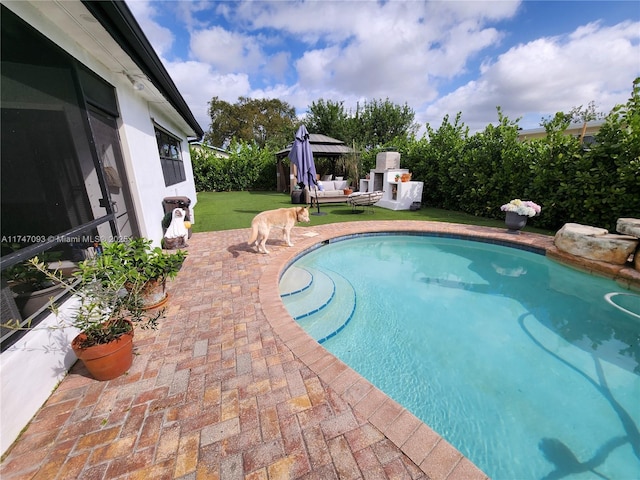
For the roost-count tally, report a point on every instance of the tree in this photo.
(329, 118)
(264, 121)
(374, 124)
(380, 122)
(561, 121)
(585, 116)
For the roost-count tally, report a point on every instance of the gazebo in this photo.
(321, 146)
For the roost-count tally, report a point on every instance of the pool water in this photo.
(529, 368)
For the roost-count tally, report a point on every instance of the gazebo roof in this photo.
(321, 146)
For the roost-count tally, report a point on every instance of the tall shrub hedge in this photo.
(478, 173)
(248, 167)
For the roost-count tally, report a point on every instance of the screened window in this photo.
(53, 200)
(170, 158)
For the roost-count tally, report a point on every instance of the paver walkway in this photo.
(230, 387)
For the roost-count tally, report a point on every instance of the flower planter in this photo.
(106, 361)
(515, 222)
(154, 294)
(31, 302)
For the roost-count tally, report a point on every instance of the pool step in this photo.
(325, 307)
(294, 280)
(304, 301)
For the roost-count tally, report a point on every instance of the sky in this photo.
(530, 58)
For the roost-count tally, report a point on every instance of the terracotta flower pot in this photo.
(106, 361)
(153, 294)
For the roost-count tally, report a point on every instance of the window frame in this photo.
(170, 153)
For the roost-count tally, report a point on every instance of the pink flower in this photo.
(527, 207)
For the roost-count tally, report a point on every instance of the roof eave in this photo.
(117, 19)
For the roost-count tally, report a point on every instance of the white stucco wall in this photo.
(140, 151)
(31, 369)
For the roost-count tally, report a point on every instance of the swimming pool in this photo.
(521, 363)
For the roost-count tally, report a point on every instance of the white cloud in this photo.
(187, 11)
(396, 50)
(409, 52)
(198, 84)
(593, 63)
(277, 65)
(226, 51)
(160, 37)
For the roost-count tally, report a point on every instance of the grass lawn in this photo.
(231, 210)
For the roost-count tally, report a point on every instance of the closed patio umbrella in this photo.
(302, 157)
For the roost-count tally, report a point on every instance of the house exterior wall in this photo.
(31, 370)
(573, 130)
(33, 366)
(136, 128)
(140, 151)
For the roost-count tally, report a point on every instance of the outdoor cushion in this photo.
(332, 185)
(329, 193)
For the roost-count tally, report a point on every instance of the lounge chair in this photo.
(363, 201)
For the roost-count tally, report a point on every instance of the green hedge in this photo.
(248, 167)
(478, 173)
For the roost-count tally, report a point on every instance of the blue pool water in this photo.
(529, 368)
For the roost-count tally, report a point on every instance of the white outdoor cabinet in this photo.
(398, 195)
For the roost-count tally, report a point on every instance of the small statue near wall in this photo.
(177, 233)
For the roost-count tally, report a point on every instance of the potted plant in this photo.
(145, 266)
(32, 288)
(517, 213)
(105, 314)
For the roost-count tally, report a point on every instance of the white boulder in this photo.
(629, 226)
(595, 243)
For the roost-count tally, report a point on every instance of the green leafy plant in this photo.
(105, 309)
(24, 277)
(138, 261)
(247, 167)
(111, 289)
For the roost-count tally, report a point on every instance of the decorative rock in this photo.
(628, 226)
(631, 226)
(595, 243)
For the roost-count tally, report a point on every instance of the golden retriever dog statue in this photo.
(284, 218)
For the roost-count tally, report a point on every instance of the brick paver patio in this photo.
(230, 387)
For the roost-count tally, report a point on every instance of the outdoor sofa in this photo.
(327, 191)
